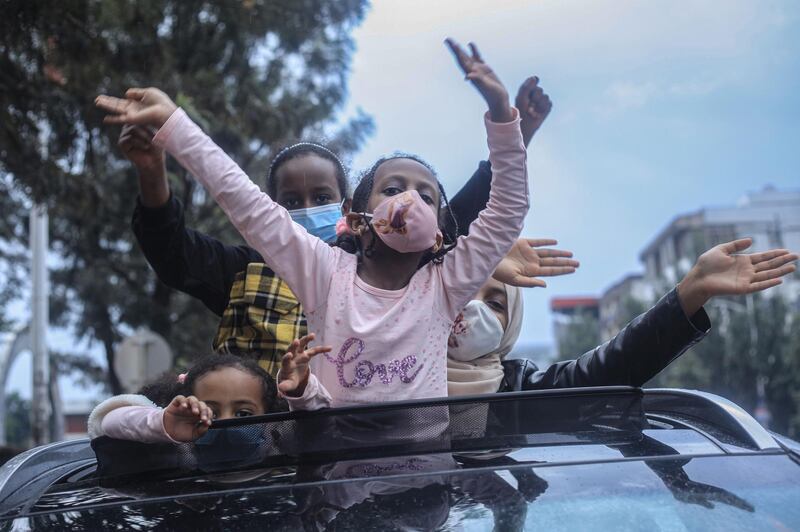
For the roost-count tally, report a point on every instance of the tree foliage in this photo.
(255, 74)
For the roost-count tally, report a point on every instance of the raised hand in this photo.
(293, 376)
(524, 263)
(187, 418)
(723, 271)
(146, 107)
(484, 79)
(136, 143)
(534, 106)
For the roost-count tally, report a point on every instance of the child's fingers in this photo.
(116, 119)
(194, 405)
(539, 242)
(304, 341)
(142, 133)
(476, 55)
(314, 351)
(112, 104)
(206, 414)
(135, 93)
(736, 245)
(464, 61)
(524, 93)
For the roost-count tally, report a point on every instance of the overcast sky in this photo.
(660, 108)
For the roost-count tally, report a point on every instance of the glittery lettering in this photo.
(365, 370)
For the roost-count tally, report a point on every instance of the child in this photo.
(216, 387)
(386, 318)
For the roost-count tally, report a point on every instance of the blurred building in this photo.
(771, 217)
(76, 414)
(567, 311)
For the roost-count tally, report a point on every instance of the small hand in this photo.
(534, 106)
(294, 372)
(719, 271)
(136, 143)
(485, 80)
(187, 418)
(147, 107)
(524, 263)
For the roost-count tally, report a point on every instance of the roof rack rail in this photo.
(33, 470)
(710, 409)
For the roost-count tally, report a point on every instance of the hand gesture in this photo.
(136, 143)
(187, 418)
(294, 372)
(534, 106)
(146, 107)
(720, 271)
(484, 79)
(524, 263)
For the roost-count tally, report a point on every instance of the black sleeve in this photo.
(472, 198)
(635, 355)
(187, 260)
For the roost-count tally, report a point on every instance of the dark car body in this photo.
(576, 459)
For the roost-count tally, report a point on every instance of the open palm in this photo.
(147, 107)
(294, 372)
(722, 271)
(524, 263)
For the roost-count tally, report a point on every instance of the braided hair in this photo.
(163, 390)
(448, 224)
(306, 148)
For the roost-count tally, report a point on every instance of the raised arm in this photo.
(534, 106)
(183, 259)
(471, 263)
(302, 260)
(651, 341)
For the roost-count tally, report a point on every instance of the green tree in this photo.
(581, 334)
(255, 74)
(18, 422)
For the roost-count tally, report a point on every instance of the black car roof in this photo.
(573, 424)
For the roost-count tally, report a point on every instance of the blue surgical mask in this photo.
(220, 448)
(319, 221)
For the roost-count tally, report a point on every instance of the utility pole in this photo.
(40, 318)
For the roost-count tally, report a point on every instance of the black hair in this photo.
(448, 224)
(307, 148)
(163, 390)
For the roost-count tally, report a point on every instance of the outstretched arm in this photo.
(466, 268)
(524, 264)
(303, 261)
(534, 106)
(183, 259)
(722, 271)
(650, 342)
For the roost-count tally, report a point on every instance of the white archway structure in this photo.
(19, 342)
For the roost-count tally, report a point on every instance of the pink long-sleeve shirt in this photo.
(387, 344)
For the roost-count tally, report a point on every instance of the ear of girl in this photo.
(478, 370)
(386, 317)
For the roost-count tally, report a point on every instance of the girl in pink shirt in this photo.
(385, 317)
(216, 387)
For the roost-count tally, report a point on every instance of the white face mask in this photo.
(476, 332)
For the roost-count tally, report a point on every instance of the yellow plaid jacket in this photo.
(262, 318)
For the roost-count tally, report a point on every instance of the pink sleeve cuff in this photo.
(161, 137)
(314, 397)
(136, 423)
